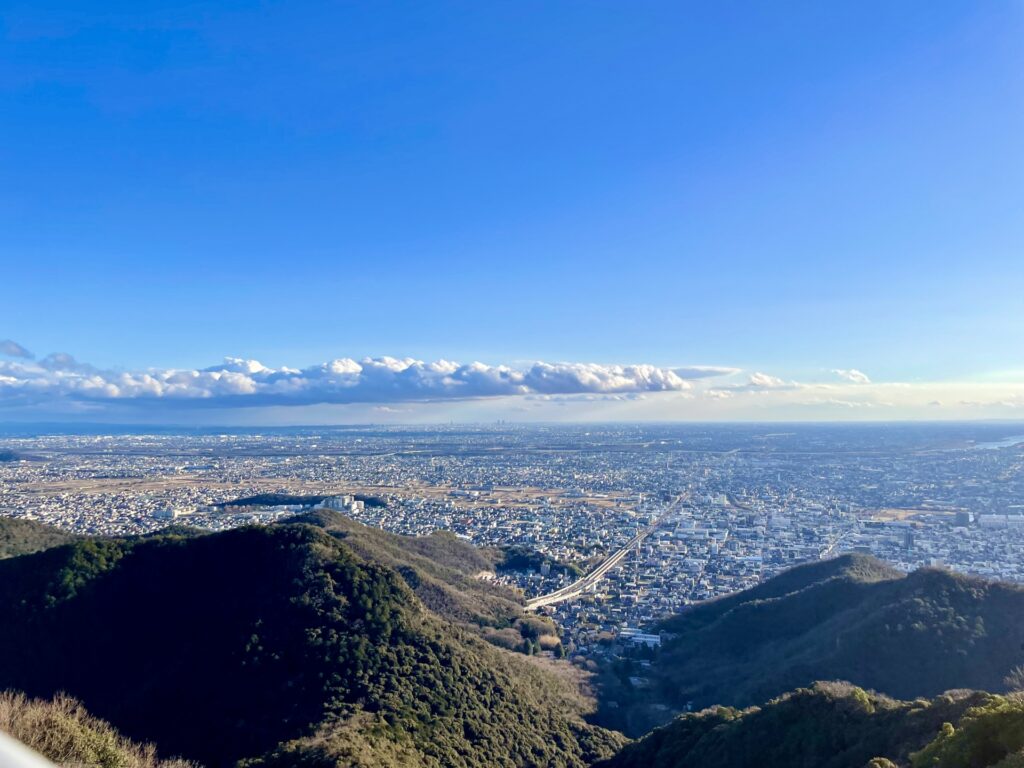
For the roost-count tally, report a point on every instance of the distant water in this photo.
(1007, 442)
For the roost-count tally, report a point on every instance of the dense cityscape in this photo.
(749, 500)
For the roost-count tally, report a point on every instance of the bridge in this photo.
(577, 588)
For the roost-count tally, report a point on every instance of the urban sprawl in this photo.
(709, 510)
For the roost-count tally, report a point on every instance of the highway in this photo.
(828, 550)
(582, 585)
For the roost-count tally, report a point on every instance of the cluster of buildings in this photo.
(755, 500)
(345, 503)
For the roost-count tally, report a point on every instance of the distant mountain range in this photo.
(322, 642)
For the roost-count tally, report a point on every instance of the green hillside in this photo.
(852, 618)
(322, 642)
(836, 725)
(441, 568)
(444, 572)
(23, 537)
(294, 644)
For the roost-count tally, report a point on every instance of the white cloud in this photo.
(705, 371)
(852, 375)
(840, 403)
(238, 365)
(391, 387)
(14, 349)
(240, 382)
(1010, 402)
(586, 398)
(764, 381)
(718, 394)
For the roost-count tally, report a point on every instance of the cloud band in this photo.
(238, 382)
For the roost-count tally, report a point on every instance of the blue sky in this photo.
(786, 189)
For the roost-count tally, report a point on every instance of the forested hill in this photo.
(23, 537)
(852, 618)
(321, 642)
(281, 646)
(441, 568)
(836, 725)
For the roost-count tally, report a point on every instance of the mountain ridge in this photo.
(851, 618)
(304, 650)
(838, 725)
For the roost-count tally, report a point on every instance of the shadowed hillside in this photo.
(444, 571)
(836, 725)
(321, 642)
(283, 645)
(852, 618)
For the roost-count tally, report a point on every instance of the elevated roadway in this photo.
(577, 588)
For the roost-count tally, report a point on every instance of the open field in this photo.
(529, 497)
(897, 514)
